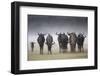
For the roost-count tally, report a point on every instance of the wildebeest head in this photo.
(72, 34)
(81, 35)
(41, 34)
(72, 37)
(59, 36)
(41, 38)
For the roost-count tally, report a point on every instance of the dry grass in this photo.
(55, 56)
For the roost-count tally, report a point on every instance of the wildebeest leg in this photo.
(48, 49)
(72, 48)
(50, 52)
(32, 49)
(41, 50)
(64, 50)
(79, 48)
(67, 49)
(82, 48)
(59, 48)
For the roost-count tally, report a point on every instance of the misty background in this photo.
(52, 24)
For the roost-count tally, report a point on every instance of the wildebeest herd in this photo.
(63, 40)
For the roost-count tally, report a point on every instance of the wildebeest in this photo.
(59, 41)
(41, 40)
(72, 41)
(49, 42)
(63, 41)
(80, 41)
(32, 46)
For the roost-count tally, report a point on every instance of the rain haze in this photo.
(52, 24)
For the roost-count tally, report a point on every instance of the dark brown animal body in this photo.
(80, 41)
(49, 42)
(32, 46)
(63, 41)
(41, 40)
(72, 41)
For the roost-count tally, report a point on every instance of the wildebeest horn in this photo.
(68, 33)
(83, 33)
(38, 33)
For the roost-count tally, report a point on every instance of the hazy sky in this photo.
(53, 24)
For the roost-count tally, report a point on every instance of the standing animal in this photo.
(80, 41)
(41, 40)
(72, 41)
(49, 42)
(59, 41)
(32, 46)
(63, 41)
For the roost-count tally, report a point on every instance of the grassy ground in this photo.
(55, 56)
